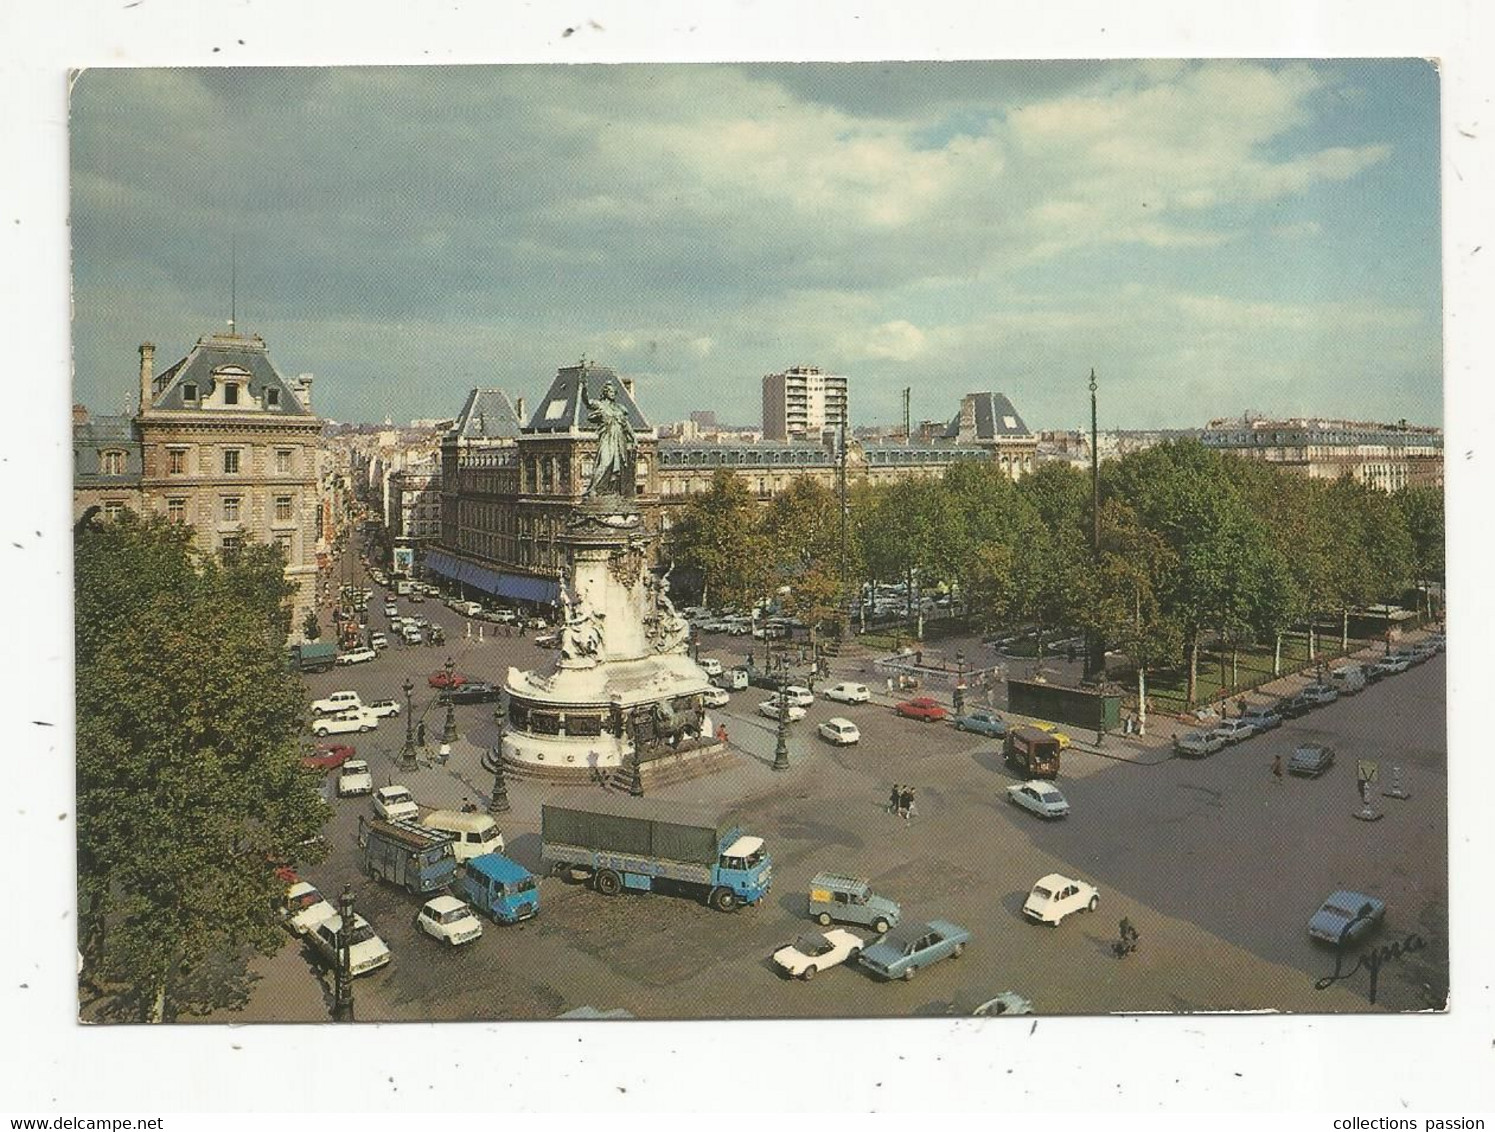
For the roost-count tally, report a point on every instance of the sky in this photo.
(1212, 237)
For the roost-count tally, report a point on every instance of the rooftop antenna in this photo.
(233, 284)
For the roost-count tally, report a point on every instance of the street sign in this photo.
(1368, 771)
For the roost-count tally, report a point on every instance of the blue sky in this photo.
(1211, 237)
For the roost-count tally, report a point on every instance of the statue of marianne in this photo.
(616, 443)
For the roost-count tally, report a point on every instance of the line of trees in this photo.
(189, 778)
(1194, 545)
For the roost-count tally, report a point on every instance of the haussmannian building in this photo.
(1384, 456)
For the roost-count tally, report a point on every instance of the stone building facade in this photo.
(1384, 456)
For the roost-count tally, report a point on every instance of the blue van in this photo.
(500, 887)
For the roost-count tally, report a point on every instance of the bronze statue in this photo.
(616, 443)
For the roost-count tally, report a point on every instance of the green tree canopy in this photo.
(719, 536)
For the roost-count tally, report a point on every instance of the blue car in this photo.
(1346, 918)
(983, 722)
(902, 951)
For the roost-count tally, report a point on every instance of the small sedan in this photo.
(983, 721)
(474, 692)
(326, 756)
(921, 708)
(1197, 744)
(1053, 729)
(909, 946)
(841, 732)
(345, 723)
(816, 951)
(304, 908)
(450, 920)
(391, 609)
(715, 697)
(1393, 664)
(378, 641)
(382, 708)
(848, 693)
(798, 696)
(1040, 797)
(1319, 694)
(441, 678)
(1233, 730)
(1263, 717)
(395, 803)
(1311, 760)
(366, 951)
(1346, 918)
(1294, 706)
(1056, 896)
(354, 779)
(770, 708)
(357, 656)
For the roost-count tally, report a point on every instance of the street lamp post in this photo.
(407, 752)
(449, 727)
(636, 780)
(499, 803)
(342, 1003)
(781, 746)
(960, 683)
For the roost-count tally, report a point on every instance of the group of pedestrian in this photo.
(901, 801)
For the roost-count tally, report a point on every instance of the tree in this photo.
(803, 532)
(1422, 512)
(189, 776)
(907, 533)
(1057, 569)
(719, 537)
(311, 628)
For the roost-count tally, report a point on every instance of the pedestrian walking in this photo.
(895, 800)
(908, 803)
(721, 734)
(1277, 768)
(420, 733)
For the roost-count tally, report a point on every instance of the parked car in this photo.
(710, 665)
(908, 947)
(1294, 706)
(848, 693)
(799, 696)
(474, 692)
(841, 732)
(336, 702)
(850, 900)
(357, 656)
(1421, 651)
(441, 679)
(378, 641)
(1310, 760)
(1263, 717)
(1319, 694)
(983, 721)
(391, 609)
(449, 920)
(1347, 679)
(396, 803)
(716, 697)
(325, 756)
(1233, 730)
(1041, 797)
(548, 640)
(366, 951)
(921, 708)
(813, 952)
(1056, 896)
(304, 908)
(354, 779)
(1197, 744)
(382, 708)
(1053, 729)
(770, 708)
(345, 723)
(1392, 663)
(1346, 918)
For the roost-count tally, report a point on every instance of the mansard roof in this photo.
(488, 414)
(995, 418)
(234, 355)
(561, 409)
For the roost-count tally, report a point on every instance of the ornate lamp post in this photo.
(636, 779)
(960, 683)
(781, 746)
(342, 1004)
(499, 804)
(407, 752)
(449, 727)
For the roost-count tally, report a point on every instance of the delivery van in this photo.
(1347, 679)
(474, 834)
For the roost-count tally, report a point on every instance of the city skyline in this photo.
(1211, 237)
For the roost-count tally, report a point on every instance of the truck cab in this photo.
(501, 888)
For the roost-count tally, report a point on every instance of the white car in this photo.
(305, 908)
(848, 693)
(710, 665)
(1233, 730)
(395, 803)
(412, 634)
(345, 722)
(378, 641)
(798, 696)
(391, 609)
(357, 656)
(354, 779)
(770, 708)
(381, 708)
(1040, 797)
(715, 697)
(337, 702)
(366, 951)
(815, 951)
(839, 731)
(450, 920)
(1056, 896)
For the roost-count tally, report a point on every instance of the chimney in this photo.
(147, 367)
(80, 414)
(302, 388)
(627, 384)
(519, 410)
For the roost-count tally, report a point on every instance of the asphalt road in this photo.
(1217, 864)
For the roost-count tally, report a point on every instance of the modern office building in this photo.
(802, 403)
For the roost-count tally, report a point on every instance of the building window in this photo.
(231, 508)
(230, 461)
(229, 547)
(176, 461)
(282, 508)
(113, 508)
(189, 392)
(272, 397)
(112, 463)
(282, 458)
(231, 393)
(176, 510)
(284, 540)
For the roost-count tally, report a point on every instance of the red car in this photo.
(921, 707)
(439, 678)
(326, 756)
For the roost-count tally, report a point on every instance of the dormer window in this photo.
(231, 393)
(189, 391)
(272, 397)
(112, 463)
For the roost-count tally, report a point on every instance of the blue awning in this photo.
(443, 564)
(515, 587)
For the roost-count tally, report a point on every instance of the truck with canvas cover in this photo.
(314, 656)
(502, 888)
(637, 843)
(1034, 752)
(415, 858)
